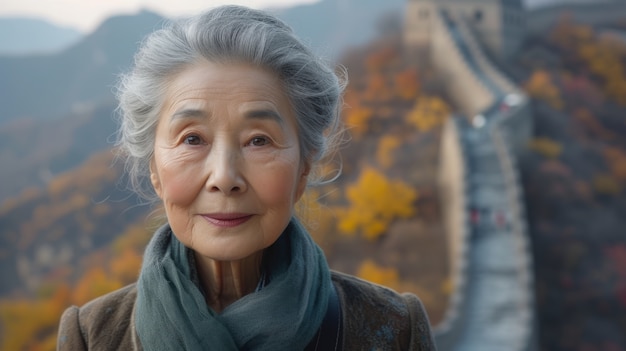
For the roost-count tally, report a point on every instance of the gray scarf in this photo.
(171, 312)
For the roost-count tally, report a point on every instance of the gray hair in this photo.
(226, 34)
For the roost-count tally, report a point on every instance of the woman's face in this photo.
(227, 159)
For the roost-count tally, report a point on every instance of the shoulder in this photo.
(102, 324)
(376, 317)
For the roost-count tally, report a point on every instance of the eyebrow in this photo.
(265, 114)
(261, 114)
(188, 113)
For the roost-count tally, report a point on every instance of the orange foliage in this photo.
(428, 112)
(406, 84)
(375, 202)
(94, 283)
(30, 324)
(357, 119)
(22, 319)
(125, 267)
(541, 86)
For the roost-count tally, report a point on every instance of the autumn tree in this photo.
(374, 273)
(375, 201)
(386, 148)
(546, 147)
(406, 84)
(540, 86)
(602, 55)
(357, 119)
(428, 112)
(94, 283)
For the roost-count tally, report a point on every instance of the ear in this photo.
(155, 180)
(302, 181)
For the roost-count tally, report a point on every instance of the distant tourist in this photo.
(227, 114)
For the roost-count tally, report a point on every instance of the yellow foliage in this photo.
(428, 112)
(606, 185)
(370, 271)
(546, 147)
(386, 147)
(375, 201)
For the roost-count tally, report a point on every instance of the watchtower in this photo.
(498, 24)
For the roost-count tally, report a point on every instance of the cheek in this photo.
(180, 183)
(278, 186)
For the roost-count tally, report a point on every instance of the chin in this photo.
(228, 253)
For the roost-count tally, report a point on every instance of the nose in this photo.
(225, 174)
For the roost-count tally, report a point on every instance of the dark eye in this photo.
(193, 140)
(259, 141)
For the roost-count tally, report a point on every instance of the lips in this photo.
(227, 220)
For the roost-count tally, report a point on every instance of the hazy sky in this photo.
(85, 15)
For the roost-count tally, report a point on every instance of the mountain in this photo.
(28, 36)
(545, 3)
(332, 26)
(50, 86)
(37, 151)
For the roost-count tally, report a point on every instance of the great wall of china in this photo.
(492, 305)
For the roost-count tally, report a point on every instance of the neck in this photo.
(224, 282)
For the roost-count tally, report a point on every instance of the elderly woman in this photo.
(226, 114)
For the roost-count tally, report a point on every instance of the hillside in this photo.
(575, 183)
(51, 230)
(37, 151)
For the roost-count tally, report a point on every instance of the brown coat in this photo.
(374, 318)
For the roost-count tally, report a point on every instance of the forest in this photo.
(575, 185)
(84, 233)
